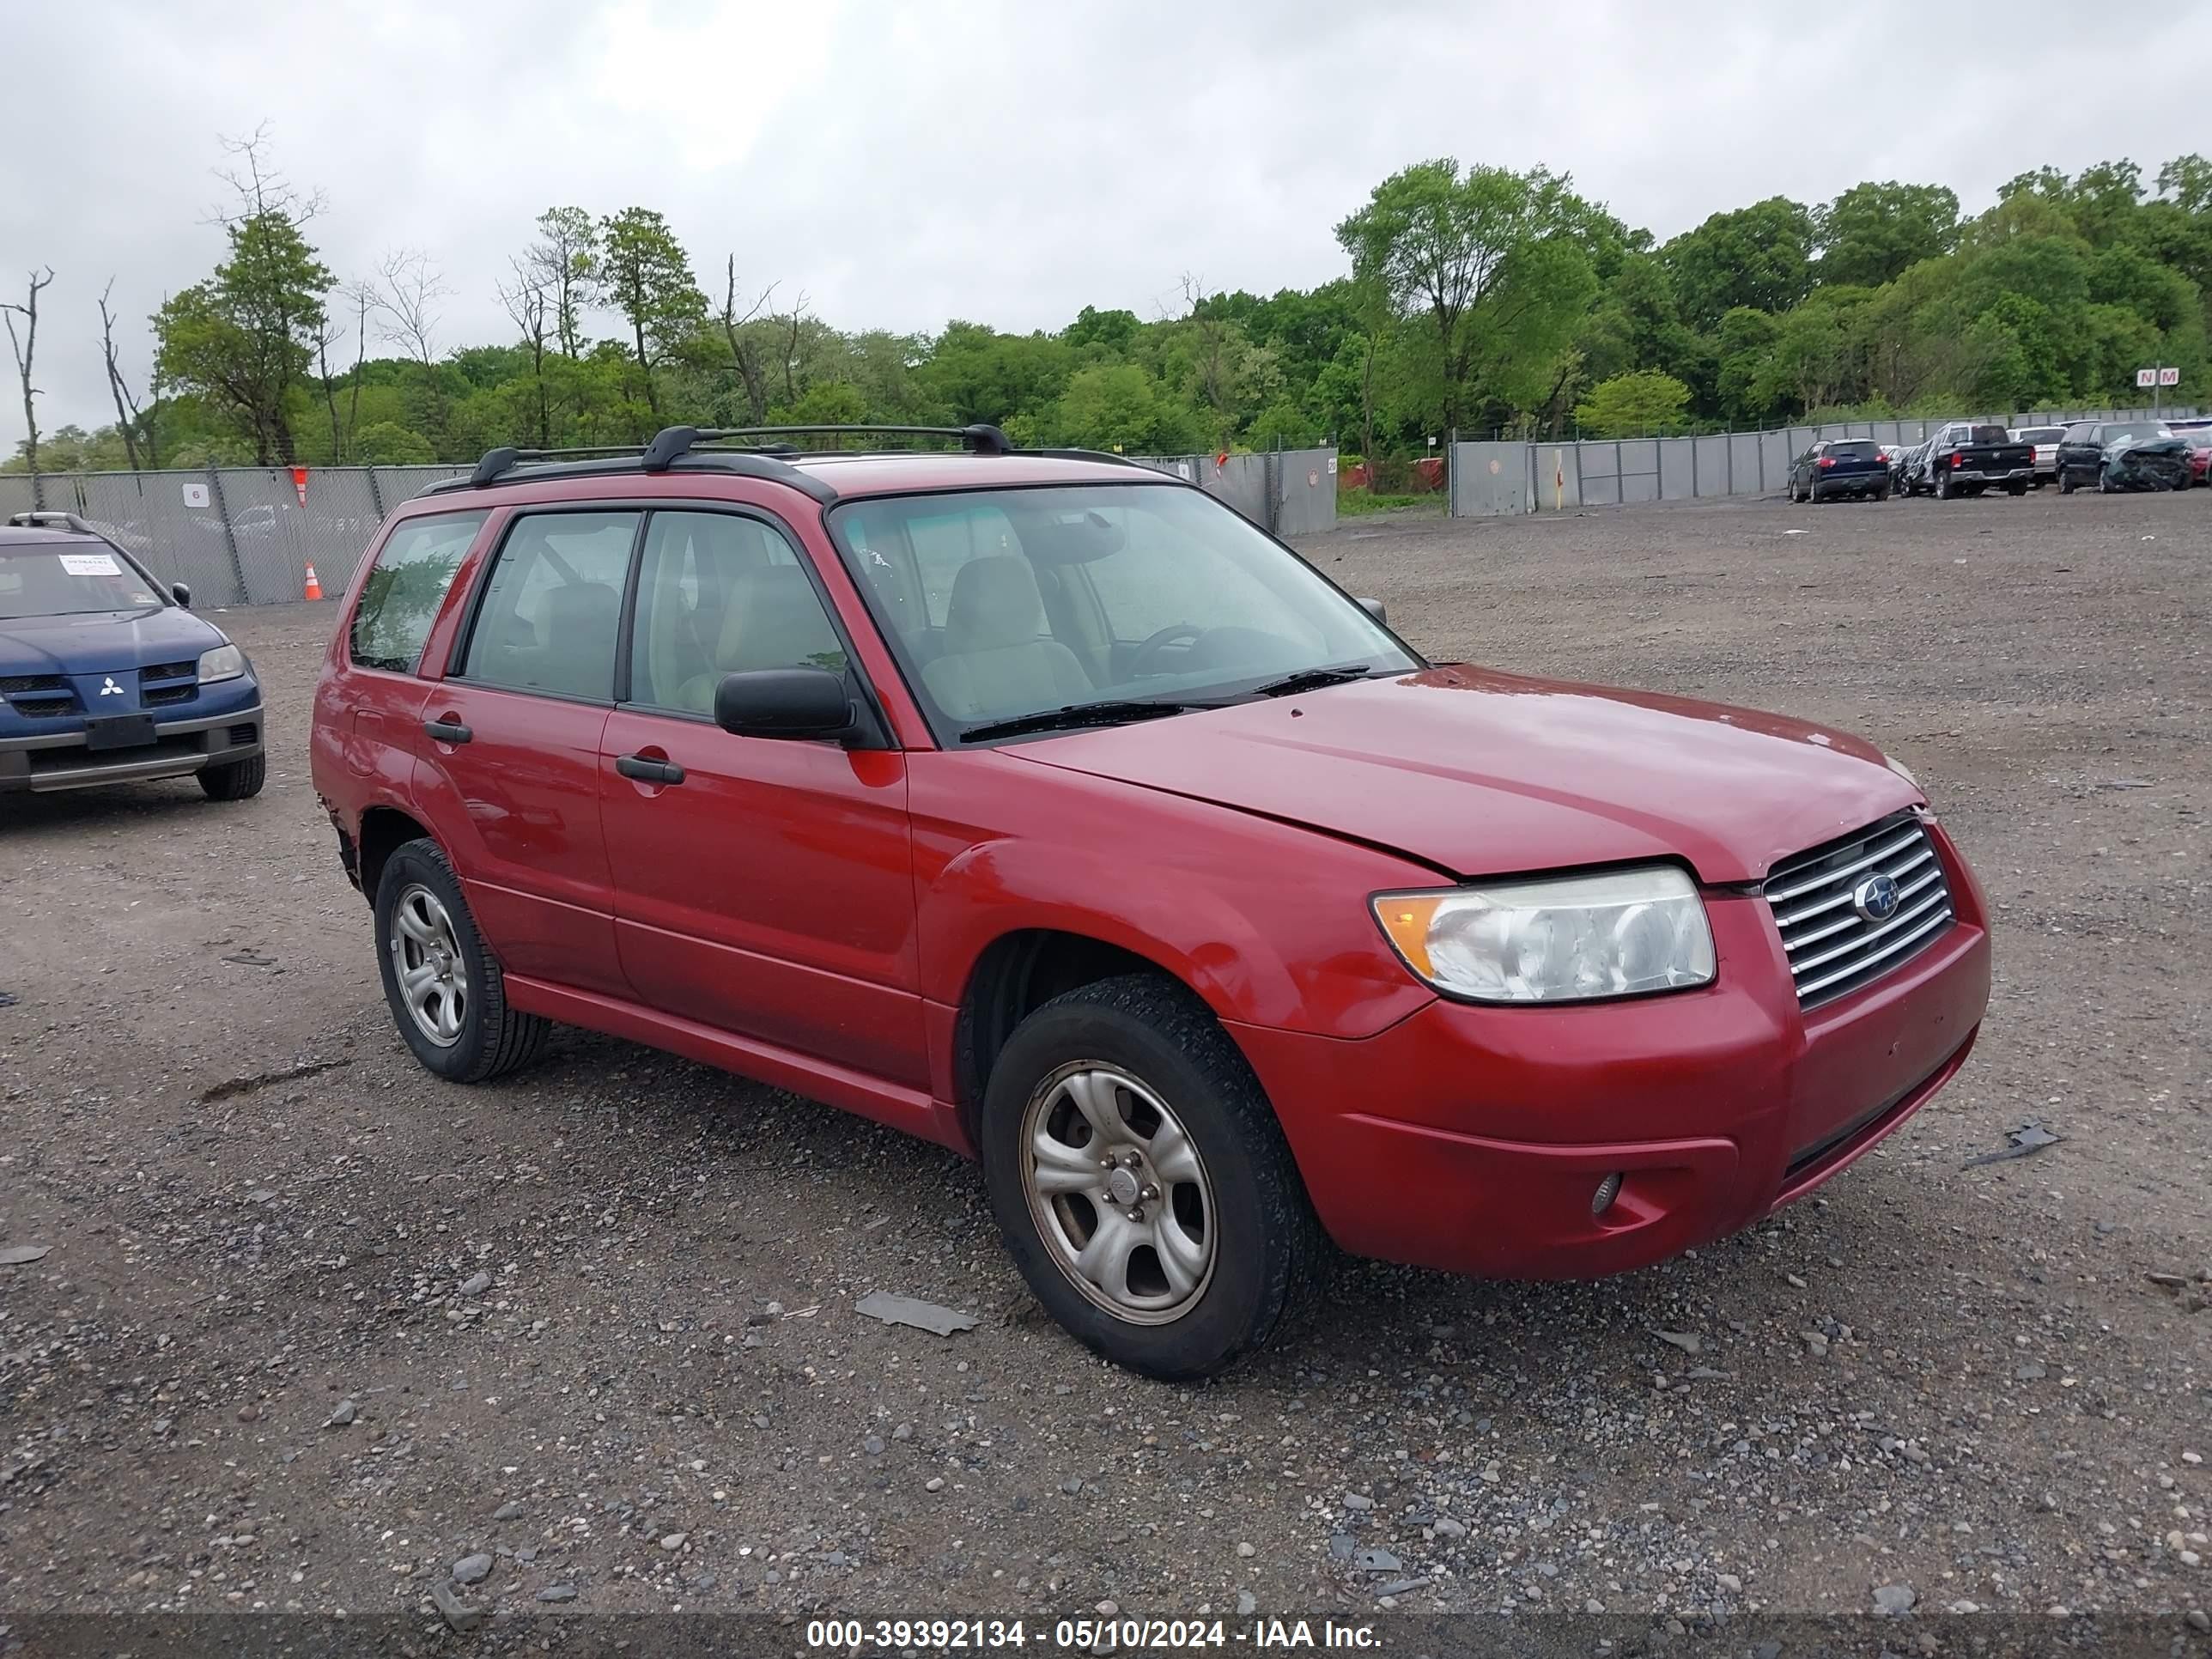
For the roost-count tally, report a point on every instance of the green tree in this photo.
(647, 277)
(1119, 407)
(1628, 405)
(1759, 256)
(244, 338)
(387, 443)
(1490, 257)
(1871, 232)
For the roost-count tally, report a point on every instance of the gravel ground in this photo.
(318, 1332)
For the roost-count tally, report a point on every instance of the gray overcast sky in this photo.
(1007, 163)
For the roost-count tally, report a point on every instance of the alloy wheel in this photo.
(428, 965)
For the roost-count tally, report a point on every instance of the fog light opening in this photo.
(1607, 1190)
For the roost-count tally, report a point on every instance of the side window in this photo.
(552, 608)
(721, 593)
(413, 568)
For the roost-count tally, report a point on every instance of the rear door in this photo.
(763, 886)
(508, 745)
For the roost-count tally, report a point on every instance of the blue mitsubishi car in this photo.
(107, 676)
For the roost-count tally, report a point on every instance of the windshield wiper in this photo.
(1075, 714)
(1310, 679)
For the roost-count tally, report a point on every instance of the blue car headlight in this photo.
(225, 662)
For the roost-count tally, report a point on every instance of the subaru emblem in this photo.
(1875, 898)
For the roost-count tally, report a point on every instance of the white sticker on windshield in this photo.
(91, 564)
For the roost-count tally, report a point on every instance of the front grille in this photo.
(1833, 949)
(45, 710)
(19, 682)
(154, 696)
(170, 670)
(243, 733)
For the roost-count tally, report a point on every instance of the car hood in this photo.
(2147, 446)
(103, 641)
(1480, 773)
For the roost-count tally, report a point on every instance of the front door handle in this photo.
(447, 729)
(649, 771)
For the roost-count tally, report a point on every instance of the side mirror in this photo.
(182, 593)
(1374, 608)
(784, 702)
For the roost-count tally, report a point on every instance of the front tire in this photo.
(446, 992)
(2105, 481)
(235, 779)
(1142, 1181)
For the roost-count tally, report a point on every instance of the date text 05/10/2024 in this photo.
(1083, 1634)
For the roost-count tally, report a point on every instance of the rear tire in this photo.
(458, 1022)
(1813, 491)
(2015, 490)
(1147, 1058)
(235, 779)
(1943, 485)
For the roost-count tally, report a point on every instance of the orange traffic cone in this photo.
(314, 587)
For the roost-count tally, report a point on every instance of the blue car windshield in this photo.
(69, 578)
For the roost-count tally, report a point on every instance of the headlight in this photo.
(1608, 935)
(225, 662)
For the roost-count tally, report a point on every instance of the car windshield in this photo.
(1012, 603)
(2133, 430)
(69, 578)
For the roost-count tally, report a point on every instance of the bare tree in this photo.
(565, 262)
(404, 297)
(793, 321)
(528, 303)
(129, 420)
(743, 355)
(359, 293)
(26, 348)
(325, 337)
(405, 294)
(260, 188)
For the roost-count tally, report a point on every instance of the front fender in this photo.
(1268, 922)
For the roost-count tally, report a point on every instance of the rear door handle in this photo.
(447, 731)
(649, 771)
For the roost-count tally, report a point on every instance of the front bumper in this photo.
(51, 761)
(1473, 1139)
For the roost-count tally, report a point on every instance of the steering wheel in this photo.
(1174, 634)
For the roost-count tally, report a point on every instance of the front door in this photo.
(509, 747)
(764, 887)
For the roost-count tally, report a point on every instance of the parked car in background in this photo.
(1836, 467)
(2199, 440)
(2116, 455)
(1967, 457)
(1908, 470)
(2043, 441)
(108, 678)
(827, 769)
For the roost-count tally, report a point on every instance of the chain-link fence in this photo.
(237, 535)
(1513, 476)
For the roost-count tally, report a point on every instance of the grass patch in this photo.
(1355, 503)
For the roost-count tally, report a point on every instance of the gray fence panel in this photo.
(399, 484)
(1743, 464)
(1599, 463)
(1716, 466)
(1677, 468)
(1639, 470)
(16, 494)
(1558, 478)
(166, 519)
(1774, 458)
(1489, 480)
(1305, 497)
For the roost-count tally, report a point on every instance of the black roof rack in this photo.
(711, 448)
(46, 518)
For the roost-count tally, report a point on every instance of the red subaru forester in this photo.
(1041, 806)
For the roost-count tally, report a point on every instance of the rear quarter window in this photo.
(414, 570)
